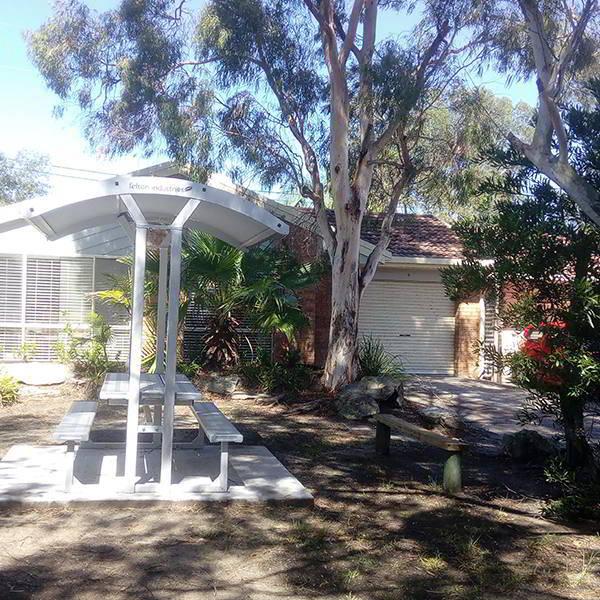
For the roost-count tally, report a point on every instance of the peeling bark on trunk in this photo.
(342, 358)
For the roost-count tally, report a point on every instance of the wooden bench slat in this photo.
(77, 423)
(430, 437)
(215, 424)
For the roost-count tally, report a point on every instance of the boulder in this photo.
(438, 415)
(362, 399)
(528, 445)
(218, 384)
(37, 373)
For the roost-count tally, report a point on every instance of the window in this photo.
(58, 290)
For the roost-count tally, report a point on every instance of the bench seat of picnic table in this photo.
(218, 429)
(75, 427)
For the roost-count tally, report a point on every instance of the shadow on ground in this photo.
(380, 529)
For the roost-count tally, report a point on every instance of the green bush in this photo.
(286, 375)
(189, 368)
(88, 354)
(9, 390)
(578, 499)
(375, 360)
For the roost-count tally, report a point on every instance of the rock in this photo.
(218, 384)
(381, 388)
(36, 373)
(363, 398)
(528, 445)
(438, 415)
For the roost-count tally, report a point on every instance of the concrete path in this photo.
(490, 406)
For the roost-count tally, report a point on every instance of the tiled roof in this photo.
(412, 235)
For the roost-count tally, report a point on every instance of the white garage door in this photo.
(414, 321)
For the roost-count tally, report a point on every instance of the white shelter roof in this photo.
(227, 216)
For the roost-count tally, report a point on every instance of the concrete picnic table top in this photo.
(115, 389)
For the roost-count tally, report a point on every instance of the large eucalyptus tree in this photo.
(300, 92)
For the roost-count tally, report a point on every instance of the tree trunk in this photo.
(579, 454)
(341, 366)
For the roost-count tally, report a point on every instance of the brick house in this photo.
(405, 306)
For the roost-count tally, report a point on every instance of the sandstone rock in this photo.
(218, 384)
(36, 373)
(438, 415)
(362, 399)
(528, 445)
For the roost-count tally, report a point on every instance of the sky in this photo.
(26, 104)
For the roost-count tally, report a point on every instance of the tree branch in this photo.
(351, 34)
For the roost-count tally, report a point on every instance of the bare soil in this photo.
(381, 528)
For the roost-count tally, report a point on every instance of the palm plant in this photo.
(226, 282)
(260, 284)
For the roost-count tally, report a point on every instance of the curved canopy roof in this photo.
(227, 216)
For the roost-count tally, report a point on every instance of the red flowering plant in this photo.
(541, 344)
(540, 261)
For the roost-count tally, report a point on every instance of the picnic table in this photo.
(163, 207)
(115, 389)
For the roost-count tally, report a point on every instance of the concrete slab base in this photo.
(36, 474)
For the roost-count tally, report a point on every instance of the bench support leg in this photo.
(382, 439)
(452, 473)
(70, 463)
(224, 474)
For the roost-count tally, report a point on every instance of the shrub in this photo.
(375, 360)
(9, 390)
(189, 368)
(286, 375)
(578, 499)
(88, 354)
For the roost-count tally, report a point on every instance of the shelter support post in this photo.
(172, 323)
(161, 312)
(135, 351)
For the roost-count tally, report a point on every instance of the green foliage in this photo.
(538, 255)
(286, 375)
(26, 351)
(9, 390)
(260, 284)
(22, 177)
(88, 354)
(190, 369)
(375, 360)
(577, 500)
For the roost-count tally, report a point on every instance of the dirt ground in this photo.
(381, 528)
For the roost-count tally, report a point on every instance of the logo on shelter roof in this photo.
(159, 188)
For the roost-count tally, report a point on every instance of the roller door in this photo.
(413, 320)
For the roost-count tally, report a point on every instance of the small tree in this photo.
(261, 284)
(540, 257)
(22, 177)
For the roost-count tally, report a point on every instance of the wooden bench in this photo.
(75, 428)
(218, 429)
(452, 469)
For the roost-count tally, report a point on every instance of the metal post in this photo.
(70, 460)
(172, 322)
(172, 318)
(163, 266)
(224, 473)
(135, 358)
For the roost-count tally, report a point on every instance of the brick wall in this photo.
(315, 301)
(466, 337)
